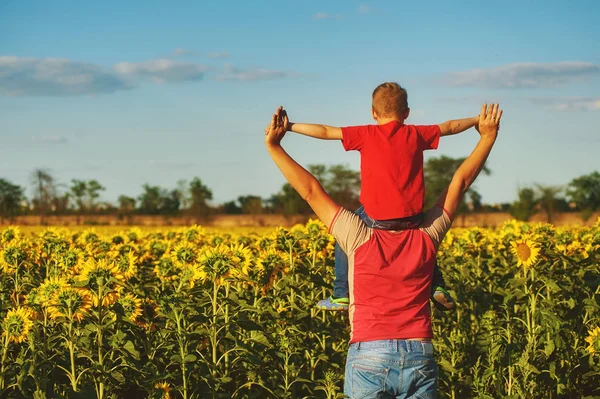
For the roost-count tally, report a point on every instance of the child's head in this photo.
(390, 101)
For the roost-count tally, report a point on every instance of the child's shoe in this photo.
(442, 299)
(335, 304)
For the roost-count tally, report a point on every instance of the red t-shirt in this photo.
(389, 275)
(391, 166)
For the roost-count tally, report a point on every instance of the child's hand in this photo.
(276, 130)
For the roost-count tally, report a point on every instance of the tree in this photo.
(126, 204)
(524, 207)
(93, 189)
(150, 201)
(251, 204)
(584, 191)
(79, 190)
(342, 184)
(438, 176)
(200, 195)
(11, 197)
(44, 190)
(548, 199)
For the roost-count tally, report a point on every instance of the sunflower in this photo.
(12, 256)
(49, 287)
(100, 272)
(165, 269)
(242, 260)
(132, 306)
(10, 233)
(526, 251)
(184, 252)
(71, 261)
(268, 265)
(127, 264)
(189, 274)
(70, 302)
(215, 261)
(594, 341)
(165, 388)
(17, 324)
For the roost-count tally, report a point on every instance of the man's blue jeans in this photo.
(392, 368)
(340, 283)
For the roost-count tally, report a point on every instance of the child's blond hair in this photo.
(390, 100)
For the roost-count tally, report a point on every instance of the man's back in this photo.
(391, 166)
(390, 276)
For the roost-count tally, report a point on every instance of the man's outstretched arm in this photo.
(457, 126)
(303, 182)
(489, 118)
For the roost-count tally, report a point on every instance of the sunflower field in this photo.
(191, 313)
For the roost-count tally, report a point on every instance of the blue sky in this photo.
(156, 91)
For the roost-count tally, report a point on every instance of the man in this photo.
(390, 353)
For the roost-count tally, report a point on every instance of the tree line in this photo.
(193, 198)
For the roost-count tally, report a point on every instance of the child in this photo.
(393, 187)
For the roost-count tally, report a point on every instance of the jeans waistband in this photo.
(408, 345)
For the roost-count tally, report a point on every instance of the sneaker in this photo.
(335, 304)
(442, 299)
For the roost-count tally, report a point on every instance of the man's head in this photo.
(390, 102)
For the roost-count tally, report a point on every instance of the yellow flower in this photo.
(13, 255)
(184, 252)
(10, 233)
(49, 287)
(132, 306)
(526, 251)
(242, 260)
(215, 261)
(594, 341)
(100, 272)
(165, 388)
(70, 302)
(17, 324)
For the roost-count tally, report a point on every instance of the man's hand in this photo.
(276, 130)
(489, 121)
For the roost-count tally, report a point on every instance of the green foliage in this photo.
(438, 176)
(524, 207)
(11, 197)
(232, 316)
(585, 192)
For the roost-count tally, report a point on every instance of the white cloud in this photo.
(163, 70)
(364, 9)
(324, 15)
(231, 73)
(321, 15)
(50, 139)
(525, 75)
(56, 77)
(569, 103)
(61, 77)
(219, 55)
(179, 52)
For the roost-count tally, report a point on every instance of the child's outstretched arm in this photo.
(322, 132)
(457, 125)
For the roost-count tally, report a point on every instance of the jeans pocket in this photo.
(368, 379)
(425, 380)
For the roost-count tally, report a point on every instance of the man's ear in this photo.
(374, 114)
(407, 113)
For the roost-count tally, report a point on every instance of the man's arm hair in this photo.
(303, 182)
(457, 126)
(470, 168)
(322, 132)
